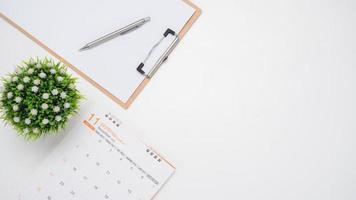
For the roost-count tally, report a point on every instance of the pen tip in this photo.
(86, 47)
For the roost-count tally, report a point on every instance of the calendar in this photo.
(99, 159)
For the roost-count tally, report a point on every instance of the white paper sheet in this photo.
(65, 26)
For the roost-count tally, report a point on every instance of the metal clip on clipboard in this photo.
(164, 56)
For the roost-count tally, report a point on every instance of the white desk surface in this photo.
(257, 102)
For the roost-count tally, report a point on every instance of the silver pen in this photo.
(115, 34)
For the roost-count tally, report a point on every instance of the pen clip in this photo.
(163, 57)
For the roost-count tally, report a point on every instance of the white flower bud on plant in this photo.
(45, 96)
(59, 79)
(67, 105)
(15, 108)
(26, 79)
(56, 109)
(10, 95)
(63, 95)
(27, 121)
(44, 106)
(15, 79)
(30, 71)
(42, 75)
(55, 92)
(33, 112)
(45, 121)
(34, 89)
(37, 82)
(18, 99)
(17, 119)
(20, 87)
(18, 70)
(58, 118)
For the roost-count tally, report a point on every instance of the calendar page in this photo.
(99, 159)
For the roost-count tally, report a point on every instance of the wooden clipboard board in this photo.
(138, 90)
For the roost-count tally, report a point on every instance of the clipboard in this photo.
(147, 73)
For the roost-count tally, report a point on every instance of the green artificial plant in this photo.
(39, 98)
